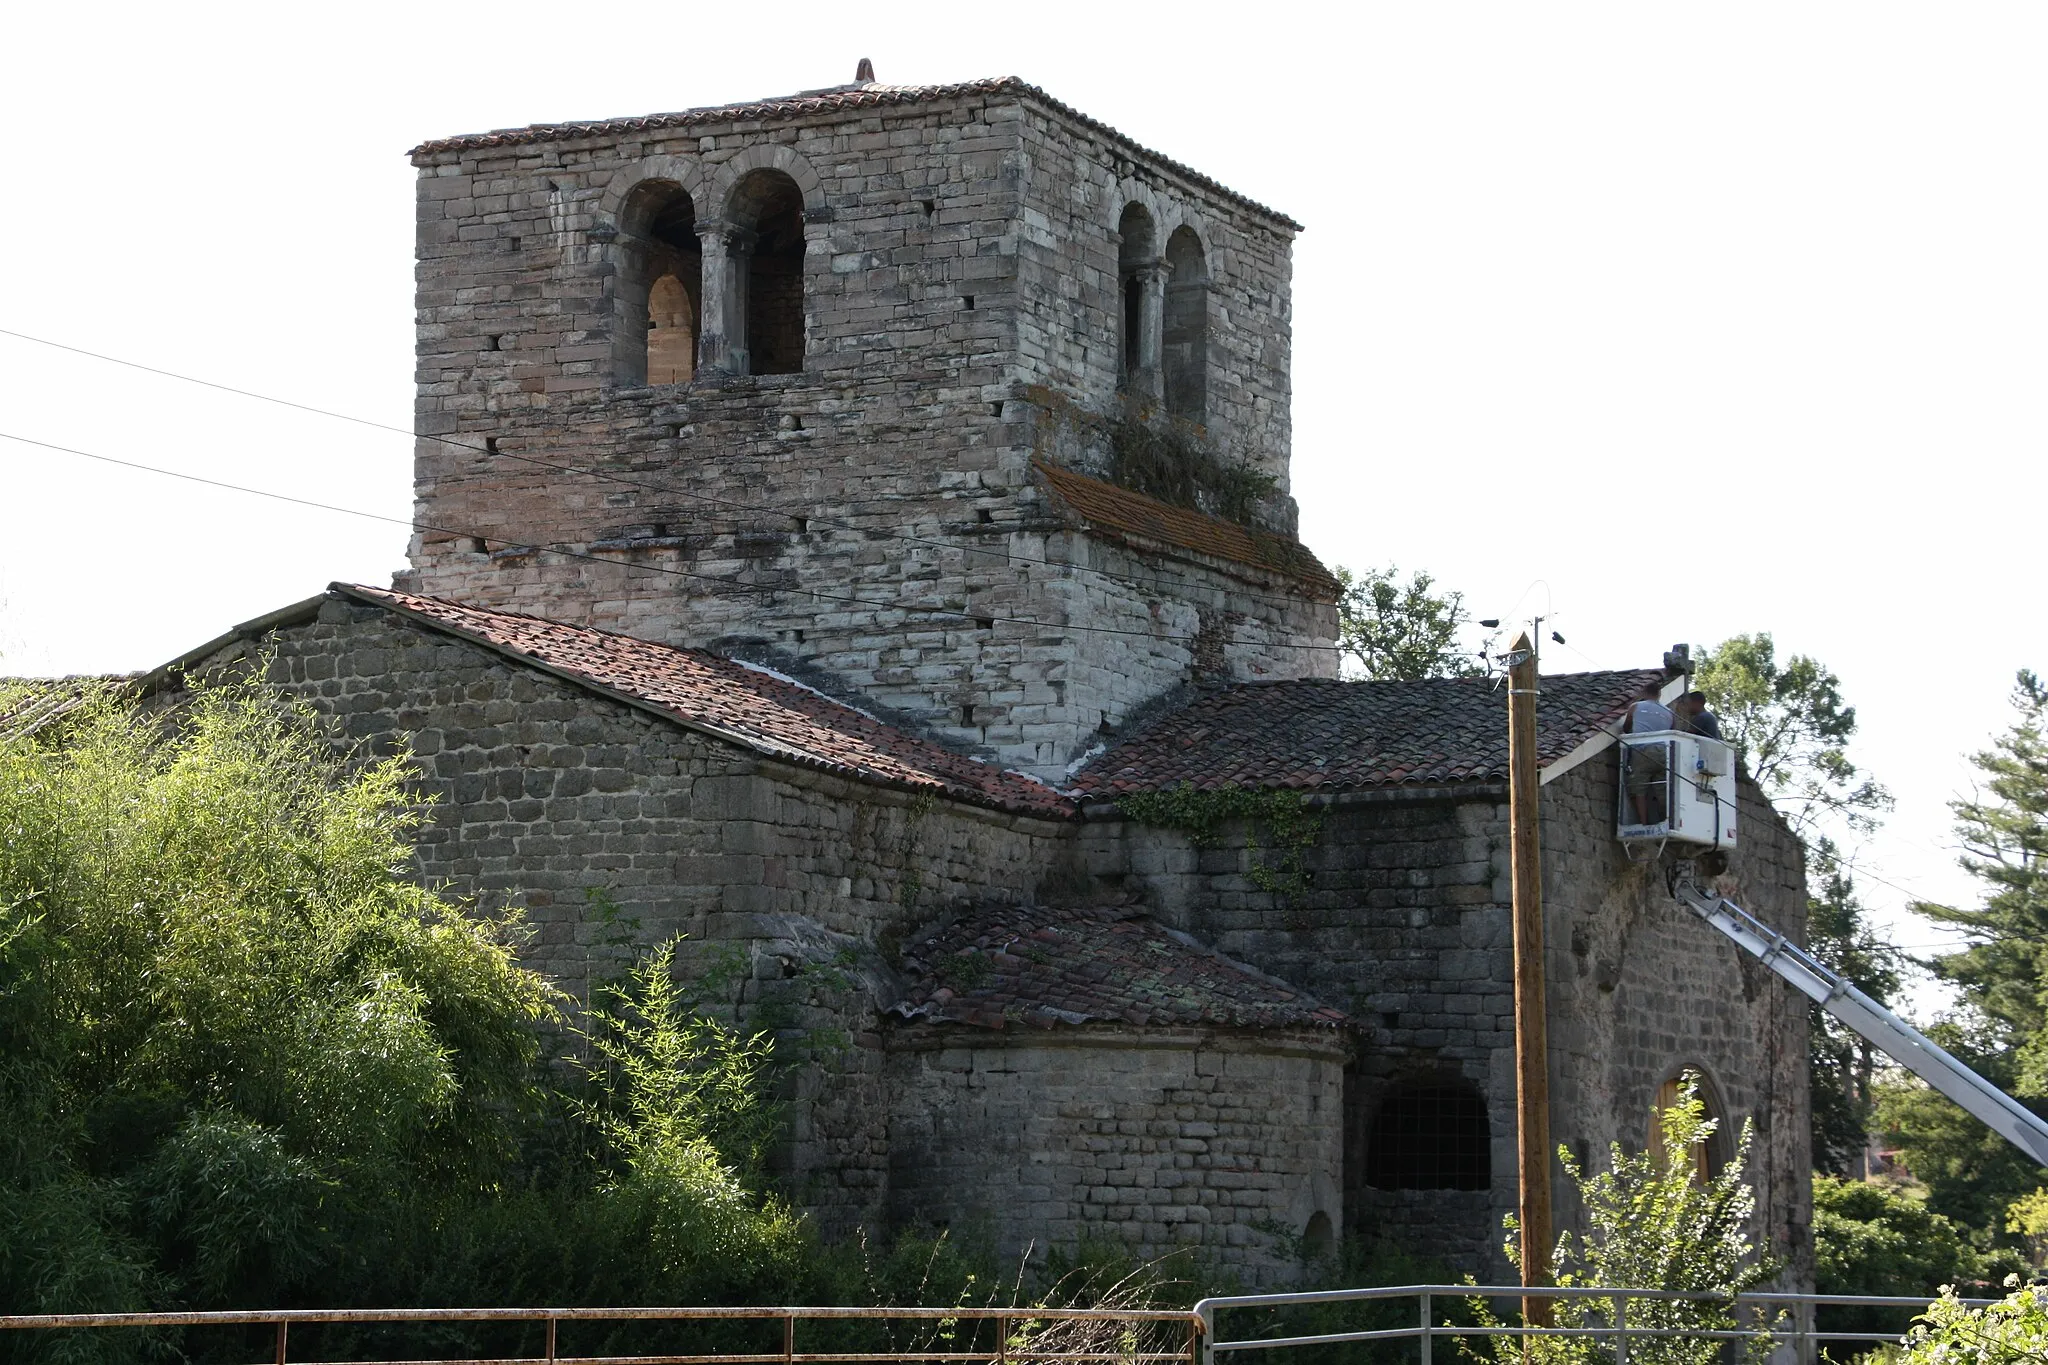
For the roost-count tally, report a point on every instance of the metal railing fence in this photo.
(1126, 1336)
(1132, 1336)
(1782, 1318)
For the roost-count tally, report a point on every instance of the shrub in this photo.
(1652, 1224)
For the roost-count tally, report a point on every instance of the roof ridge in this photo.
(1327, 735)
(743, 704)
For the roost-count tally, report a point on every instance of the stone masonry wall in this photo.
(613, 830)
(1403, 920)
(1069, 296)
(1640, 988)
(872, 519)
(1156, 1140)
(1403, 924)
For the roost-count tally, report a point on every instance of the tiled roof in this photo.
(1004, 966)
(844, 98)
(749, 706)
(29, 704)
(1315, 733)
(1140, 518)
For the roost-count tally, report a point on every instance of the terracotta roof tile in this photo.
(761, 710)
(1143, 519)
(1326, 734)
(845, 98)
(1003, 966)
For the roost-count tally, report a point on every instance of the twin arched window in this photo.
(724, 294)
(1164, 356)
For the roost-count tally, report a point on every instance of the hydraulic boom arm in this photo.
(1899, 1040)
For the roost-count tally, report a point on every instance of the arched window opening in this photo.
(1137, 257)
(1430, 1137)
(671, 333)
(1708, 1157)
(1319, 1238)
(659, 290)
(1184, 349)
(769, 206)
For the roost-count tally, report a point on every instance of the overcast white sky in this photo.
(1702, 319)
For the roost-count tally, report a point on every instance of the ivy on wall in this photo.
(1280, 821)
(1149, 452)
(1173, 465)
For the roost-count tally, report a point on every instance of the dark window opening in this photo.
(1390, 1018)
(967, 302)
(803, 525)
(1184, 344)
(769, 204)
(496, 344)
(995, 409)
(1136, 248)
(1430, 1138)
(659, 295)
(930, 207)
(490, 445)
(477, 546)
(967, 715)
(1319, 1238)
(985, 515)
(985, 623)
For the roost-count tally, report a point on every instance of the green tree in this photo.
(1396, 631)
(223, 1015)
(1793, 731)
(1845, 1066)
(2001, 1030)
(1874, 1238)
(2004, 831)
(246, 1060)
(2028, 1216)
(1652, 1224)
(1971, 1174)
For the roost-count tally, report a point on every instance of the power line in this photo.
(666, 490)
(564, 551)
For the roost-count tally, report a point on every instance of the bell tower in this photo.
(948, 398)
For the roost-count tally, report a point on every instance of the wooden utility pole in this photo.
(1532, 1045)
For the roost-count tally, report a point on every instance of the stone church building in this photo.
(855, 531)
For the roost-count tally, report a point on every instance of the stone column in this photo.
(722, 320)
(739, 258)
(1148, 382)
(711, 314)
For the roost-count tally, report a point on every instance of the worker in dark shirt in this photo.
(1692, 715)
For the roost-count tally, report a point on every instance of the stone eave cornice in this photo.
(849, 101)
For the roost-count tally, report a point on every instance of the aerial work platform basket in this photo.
(1676, 786)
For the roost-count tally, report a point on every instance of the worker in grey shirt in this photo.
(1645, 770)
(1646, 714)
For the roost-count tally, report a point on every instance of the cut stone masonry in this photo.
(844, 478)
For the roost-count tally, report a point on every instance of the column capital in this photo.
(726, 235)
(1152, 272)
